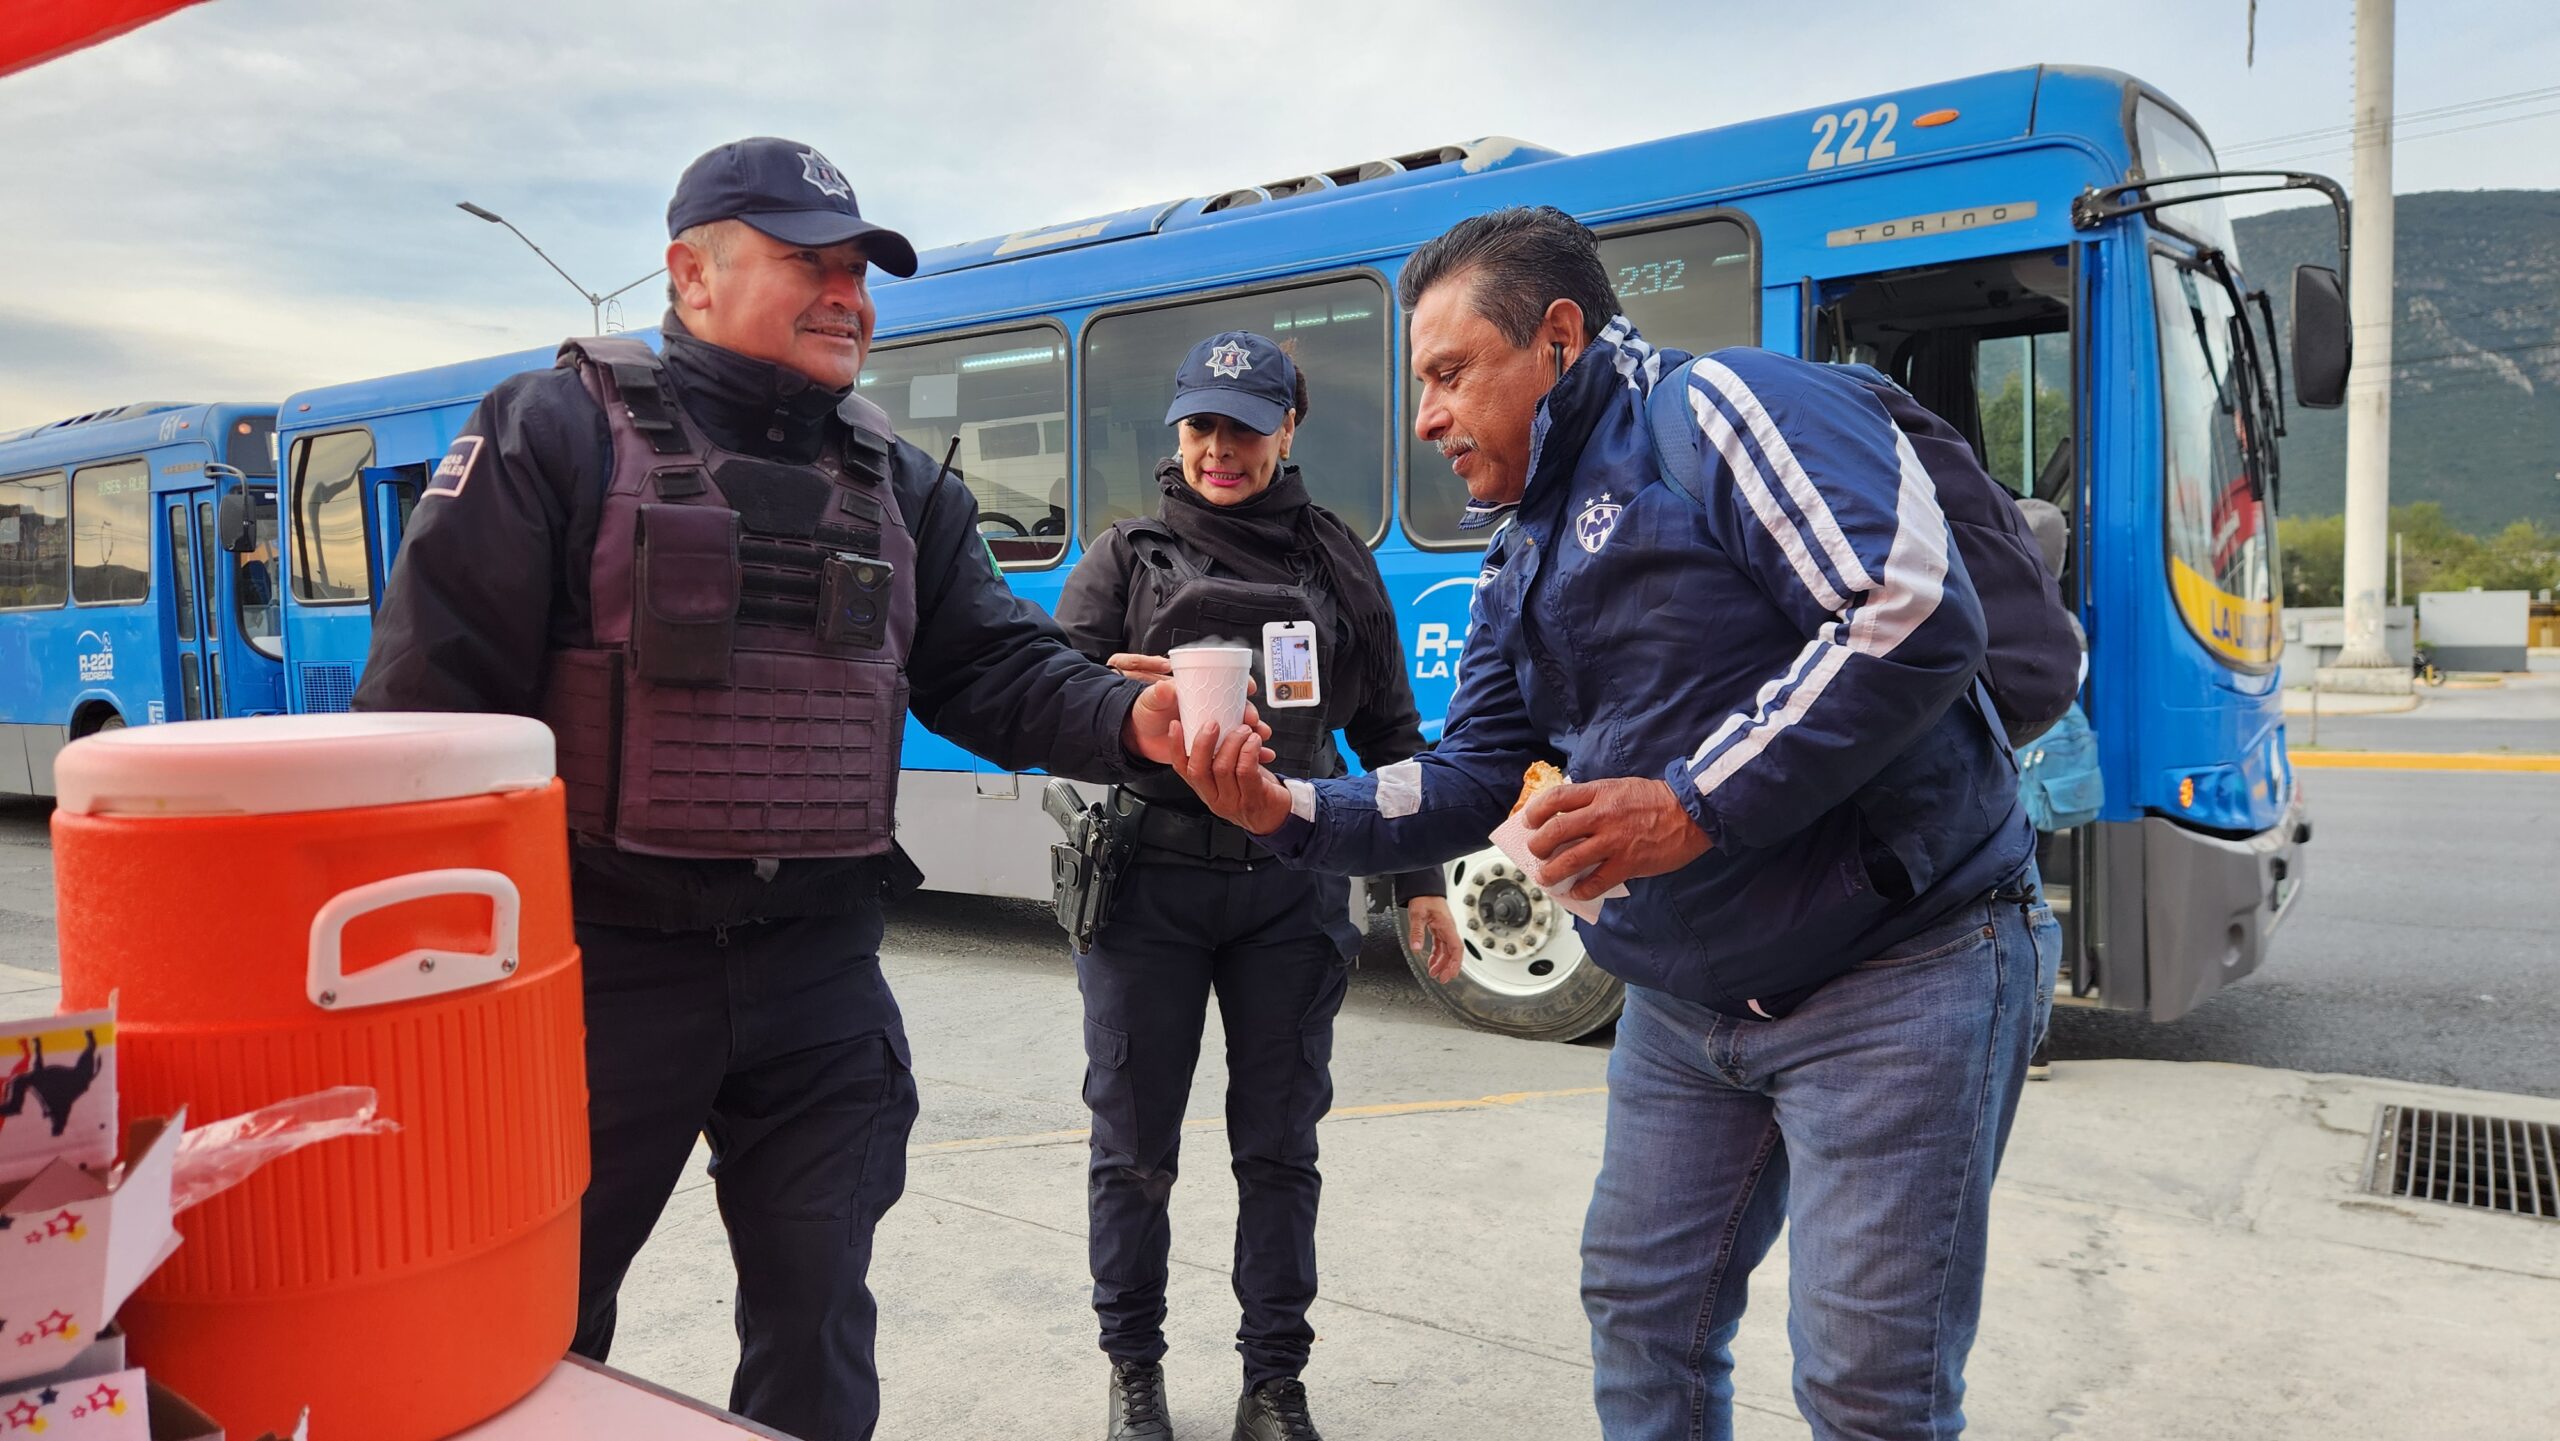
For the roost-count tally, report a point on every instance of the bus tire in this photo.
(1525, 973)
(95, 719)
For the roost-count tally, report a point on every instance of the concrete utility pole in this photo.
(2365, 664)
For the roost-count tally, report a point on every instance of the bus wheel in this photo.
(96, 719)
(1525, 973)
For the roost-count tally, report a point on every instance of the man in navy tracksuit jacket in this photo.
(1763, 685)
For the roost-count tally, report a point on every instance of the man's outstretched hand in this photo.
(1227, 771)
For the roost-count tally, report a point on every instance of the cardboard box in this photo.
(99, 1398)
(78, 1233)
(57, 1093)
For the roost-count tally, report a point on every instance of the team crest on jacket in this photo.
(1592, 527)
(1229, 360)
(822, 174)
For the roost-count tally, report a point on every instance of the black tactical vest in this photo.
(1174, 600)
(746, 693)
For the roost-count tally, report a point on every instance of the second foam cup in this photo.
(1210, 681)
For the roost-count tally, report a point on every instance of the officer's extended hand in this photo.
(1154, 728)
(1435, 936)
(1227, 772)
(1141, 667)
(1619, 830)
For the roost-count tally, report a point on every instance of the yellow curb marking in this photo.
(1213, 1123)
(2422, 761)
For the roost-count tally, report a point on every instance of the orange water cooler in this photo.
(285, 904)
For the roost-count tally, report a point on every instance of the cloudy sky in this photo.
(258, 195)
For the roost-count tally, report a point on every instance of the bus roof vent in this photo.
(1443, 162)
(115, 412)
(1475, 155)
(1235, 200)
(1304, 184)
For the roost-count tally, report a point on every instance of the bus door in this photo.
(188, 519)
(1991, 345)
(242, 598)
(391, 493)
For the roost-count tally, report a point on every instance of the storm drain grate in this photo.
(2489, 1163)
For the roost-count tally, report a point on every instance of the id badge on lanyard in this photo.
(1289, 662)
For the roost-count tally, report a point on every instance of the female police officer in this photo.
(1236, 545)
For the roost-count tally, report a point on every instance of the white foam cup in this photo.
(1209, 682)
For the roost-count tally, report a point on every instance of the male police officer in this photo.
(716, 574)
(1836, 966)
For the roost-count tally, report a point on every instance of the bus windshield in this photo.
(2221, 535)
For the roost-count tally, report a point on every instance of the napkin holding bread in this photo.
(1512, 839)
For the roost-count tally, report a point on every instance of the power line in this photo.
(2279, 163)
(2406, 117)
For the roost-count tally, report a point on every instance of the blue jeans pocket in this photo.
(1934, 944)
(2046, 930)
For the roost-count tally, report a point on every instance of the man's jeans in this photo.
(1873, 1118)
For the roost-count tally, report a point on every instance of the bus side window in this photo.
(254, 579)
(111, 533)
(1692, 286)
(1003, 396)
(35, 542)
(328, 563)
(2026, 447)
(1336, 332)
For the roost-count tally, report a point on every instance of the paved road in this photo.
(2426, 949)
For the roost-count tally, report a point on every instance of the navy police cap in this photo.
(1239, 375)
(790, 192)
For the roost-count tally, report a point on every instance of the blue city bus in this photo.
(353, 459)
(1988, 242)
(138, 574)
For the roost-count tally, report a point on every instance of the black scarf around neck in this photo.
(744, 404)
(1282, 537)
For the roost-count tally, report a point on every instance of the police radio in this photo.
(853, 600)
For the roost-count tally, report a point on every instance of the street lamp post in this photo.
(595, 302)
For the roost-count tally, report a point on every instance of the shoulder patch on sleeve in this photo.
(454, 471)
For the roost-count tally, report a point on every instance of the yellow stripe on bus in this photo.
(2237, 628)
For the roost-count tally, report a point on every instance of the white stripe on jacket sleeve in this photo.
(1914, 582)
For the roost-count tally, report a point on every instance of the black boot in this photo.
(1275, 1411)
(1137, 1403)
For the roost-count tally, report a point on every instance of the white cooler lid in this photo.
(270, 765)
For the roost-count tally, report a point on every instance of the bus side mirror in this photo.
(2323, 340)
(236, 525)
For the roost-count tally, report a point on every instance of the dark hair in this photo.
(1523, 259)
(1298, 401)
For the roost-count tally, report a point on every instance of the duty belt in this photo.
(1192, 837)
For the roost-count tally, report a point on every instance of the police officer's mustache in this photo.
(844, 321)
(1453, 446)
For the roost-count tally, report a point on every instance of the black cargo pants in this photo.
(1274, 944)
(780, 1042)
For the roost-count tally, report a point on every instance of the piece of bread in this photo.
(1540, 776)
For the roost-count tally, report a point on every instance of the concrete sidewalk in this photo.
(2180, 1251)
(2518, 713)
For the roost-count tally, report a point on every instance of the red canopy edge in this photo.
(34, 31)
